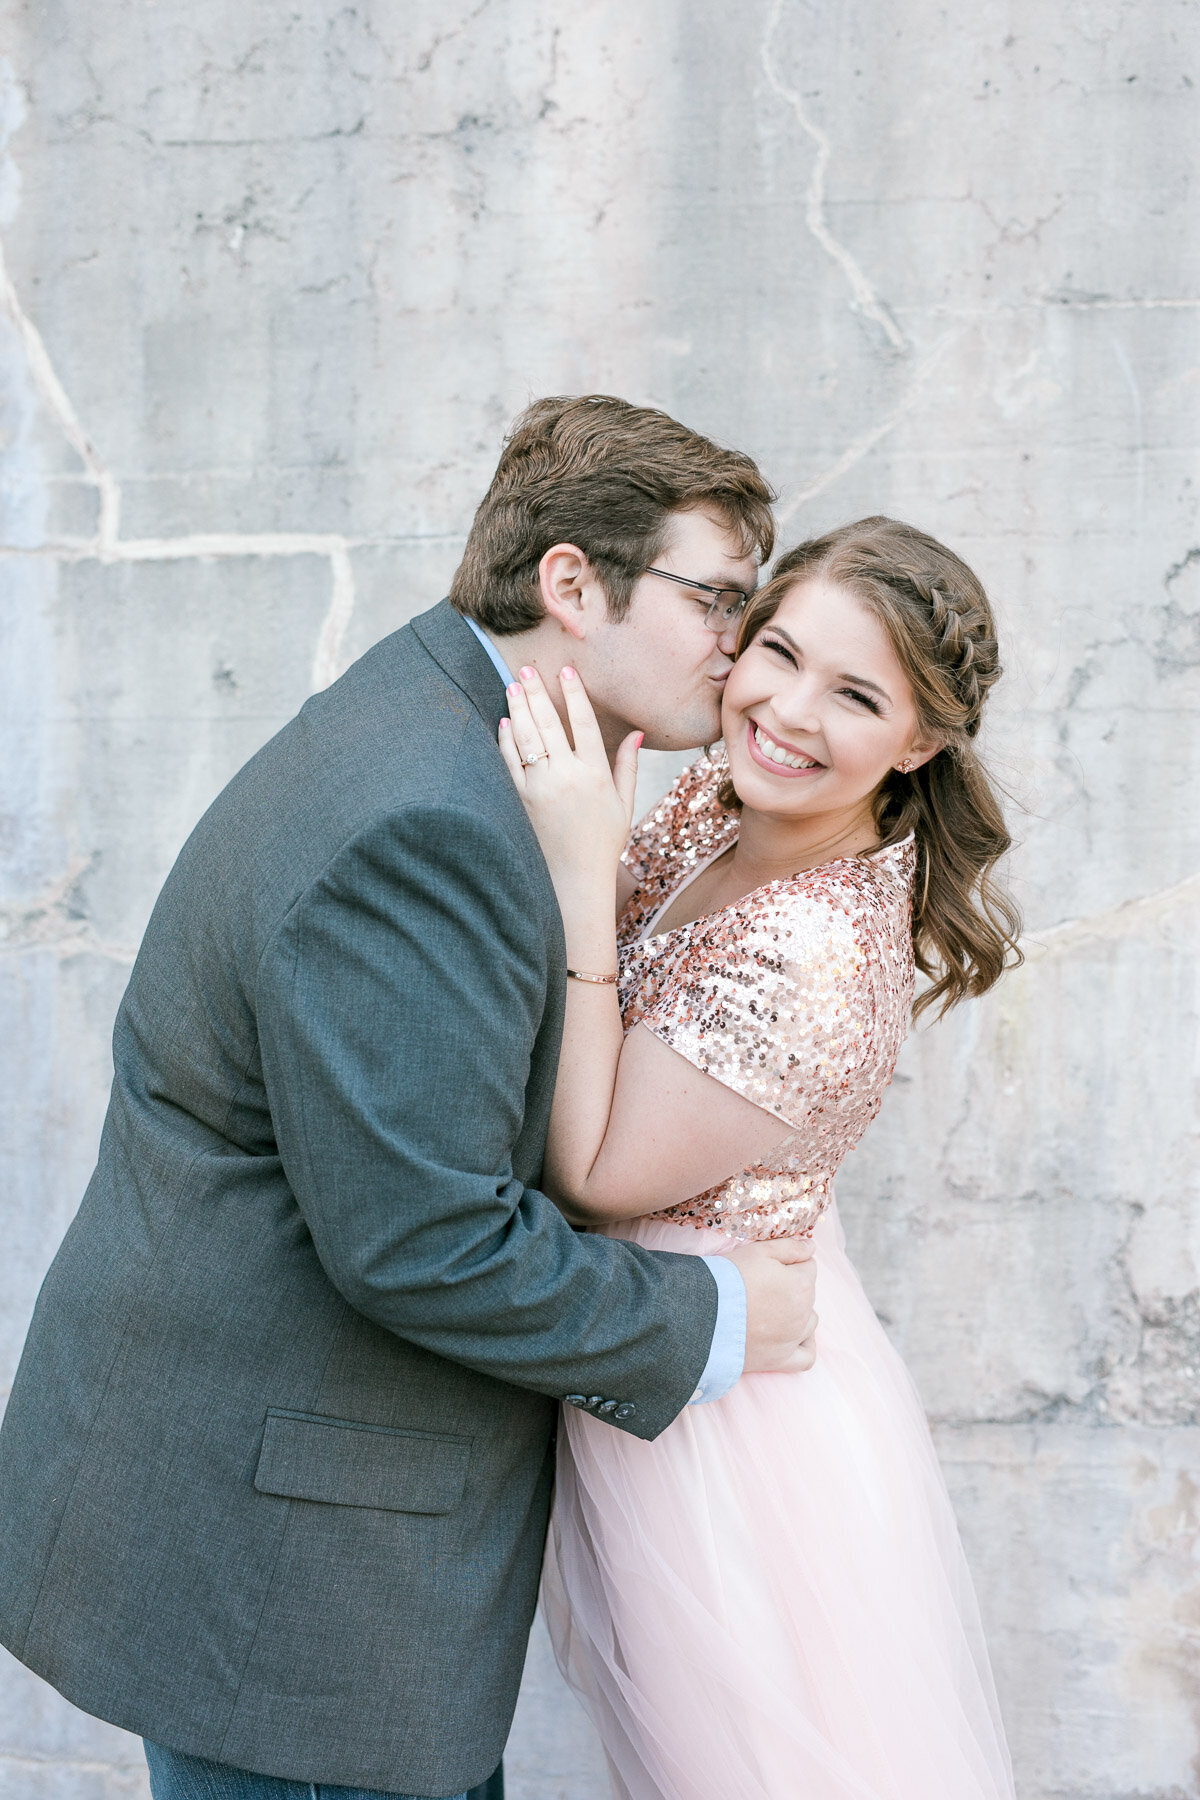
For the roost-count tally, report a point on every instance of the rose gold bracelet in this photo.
(600, 980)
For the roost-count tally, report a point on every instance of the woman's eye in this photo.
(864, 699)
(781, 649)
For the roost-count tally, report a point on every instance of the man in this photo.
(275, 1471)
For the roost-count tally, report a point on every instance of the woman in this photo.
(770, 1602)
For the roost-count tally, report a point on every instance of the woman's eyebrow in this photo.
(855, 680)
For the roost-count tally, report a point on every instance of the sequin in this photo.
(797, 996)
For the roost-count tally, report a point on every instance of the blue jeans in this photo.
(174, 1776)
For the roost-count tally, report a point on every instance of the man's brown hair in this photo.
(605, 476)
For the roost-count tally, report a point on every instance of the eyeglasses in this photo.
(728, 604)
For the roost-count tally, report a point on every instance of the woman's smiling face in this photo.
(817, 710)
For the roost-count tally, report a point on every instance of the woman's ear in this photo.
(570, 589)
(918, 754)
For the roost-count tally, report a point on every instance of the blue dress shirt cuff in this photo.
(727, 1354)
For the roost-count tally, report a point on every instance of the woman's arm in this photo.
(635, 1126)
(663, 1130)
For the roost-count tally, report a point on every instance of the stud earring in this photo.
(905, 767)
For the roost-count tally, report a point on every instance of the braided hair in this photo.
(937, 617)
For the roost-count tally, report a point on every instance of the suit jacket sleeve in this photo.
(398, 1005)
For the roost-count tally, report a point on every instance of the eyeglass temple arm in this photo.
(703, 587)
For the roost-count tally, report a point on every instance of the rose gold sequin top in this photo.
(797, 996)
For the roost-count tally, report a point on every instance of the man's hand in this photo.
(781, 1284)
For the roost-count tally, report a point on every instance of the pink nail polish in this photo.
(568, 674)
(526, 674)
(506, 725)
(514, 689)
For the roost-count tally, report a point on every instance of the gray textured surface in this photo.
(276, 278)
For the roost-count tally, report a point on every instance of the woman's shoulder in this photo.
(879, 878)
(788, 991)
(857, 909)
(882, 878)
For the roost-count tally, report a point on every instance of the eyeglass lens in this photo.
(729, 605)
(725, 611)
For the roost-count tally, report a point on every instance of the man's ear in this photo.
(571, 593)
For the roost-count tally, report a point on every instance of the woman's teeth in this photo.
(776, 753)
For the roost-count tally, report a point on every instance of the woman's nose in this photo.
(797, 709)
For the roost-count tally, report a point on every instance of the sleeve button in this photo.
(607, 1407)
(575, 1399)
(595, 1400)
(626, 1410)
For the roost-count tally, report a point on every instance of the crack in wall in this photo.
(1040, 303)
(862, 445)
(1115, 922)
(327, 659)
(55, 921)
(107, 546)
(52, 921)
(865, 300)
(83, 1765)
(63, 413)
(1110, 303)
(1139, 432)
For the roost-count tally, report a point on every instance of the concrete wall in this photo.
(274, 280)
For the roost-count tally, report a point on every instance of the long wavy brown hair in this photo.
(965, 925)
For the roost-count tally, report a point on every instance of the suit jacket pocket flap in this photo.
(308, 1457)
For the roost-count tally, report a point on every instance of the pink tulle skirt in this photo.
(770, 1602)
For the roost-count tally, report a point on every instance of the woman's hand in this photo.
(580, 809)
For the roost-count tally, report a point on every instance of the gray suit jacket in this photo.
(275, 1471)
